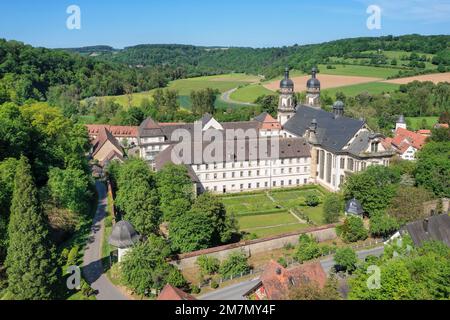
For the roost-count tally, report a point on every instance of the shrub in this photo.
(234, 265)
(214, 284)
(195, 289)
(345, 259)
(208, 265)
(312, 200)
(353, 229)
(382, 225)
(332, 208)
(108, 222)
(282, 261)
(72, 256)
(86, 289)
(307, 249)
(64, 255)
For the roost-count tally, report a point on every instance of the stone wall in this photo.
(188, 260)
(430, 207)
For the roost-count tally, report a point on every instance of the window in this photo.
(374, 146)
(350, 164)
(305, 181)
(249, 185)
(298, 181)
(266, 184)
(215, 188)
(242, 186)
(215, 176)
(329, 163)
(298, 169)
(282, 171)
(290, 182)
(282, 182)
(258, 173)
(274, 183)
(257, 185)
(224, 175)
(249, 173)
(233, 174)
(242, 173)
(342, 163)
(207, 176)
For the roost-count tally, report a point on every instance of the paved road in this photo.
(327, 264)
(234, 292)
(92, 264)
(226, 97)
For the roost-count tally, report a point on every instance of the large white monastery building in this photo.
(304, 145)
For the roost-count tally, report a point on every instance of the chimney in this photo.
(425, 224)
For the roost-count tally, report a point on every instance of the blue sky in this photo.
(255, 23)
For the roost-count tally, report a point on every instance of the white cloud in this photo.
(427, 11)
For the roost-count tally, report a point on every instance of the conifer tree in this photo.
(30, 259)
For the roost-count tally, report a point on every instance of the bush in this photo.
(345, 259)
(234, 265)
(72, 257)
(208, 265)
(282, 261)
(108, 222)
(307, 249)
(86, 289)
(332, 208)
(312, 200)
(195, 289)
(64, 255)
(214, 284)
(382, 225)
(353, 229)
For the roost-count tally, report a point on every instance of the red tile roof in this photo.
(277, 281)
(403, 139)
(104, 135)
(268, 122)
(122, 131)
(171, 293)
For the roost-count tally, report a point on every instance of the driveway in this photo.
(92, 263)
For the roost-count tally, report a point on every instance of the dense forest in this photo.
(194, 61)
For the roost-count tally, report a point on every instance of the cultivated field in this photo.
(327, 81)
(435, 78)
(276, 211)
(370, 87)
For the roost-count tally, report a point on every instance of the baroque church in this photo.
(314, 146)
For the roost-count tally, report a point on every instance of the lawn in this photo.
(184, 87)
(250, 93)
(258, 214)
(371, 87)
(244, 204)
(360, 71)
(415, 123)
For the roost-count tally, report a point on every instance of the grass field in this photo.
(416, 122)
(184, 87)
(360, 71)
(371, 87)
(250, 93)
(275, 212)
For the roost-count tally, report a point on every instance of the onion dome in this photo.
(313, 83)
(286, 83)
(123, 235)
(338, 105)
(354, 207)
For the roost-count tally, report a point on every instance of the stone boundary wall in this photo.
(187, 260)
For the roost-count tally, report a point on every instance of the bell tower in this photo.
(286, 104)
(313, 90)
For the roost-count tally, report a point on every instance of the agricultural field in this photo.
(184, 87)
(416, 123)
(434, 77)
(370, 87)
(358, 71)
(275, 212)
(250, 93)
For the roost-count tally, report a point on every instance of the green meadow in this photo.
(370, 87)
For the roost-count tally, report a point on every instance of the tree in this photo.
(312, 200)
(373, 188)
(345, 259)
(70, 188)
(268, 103)
(234, 265)
(307, 249)
(407, 205)
(433, 168)
(208, 265)
(145, 267)
(137, 196)
(353, 229)
(175, 189)
(311, 291)
(203, 101)
(332, 208)
(383, 225)
(30, 262)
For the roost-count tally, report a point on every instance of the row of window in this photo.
(243, 164)
(254, 173)
(257, 185)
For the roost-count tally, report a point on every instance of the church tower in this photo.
(286, 104)
(313, 90)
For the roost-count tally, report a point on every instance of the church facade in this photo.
(304, 145)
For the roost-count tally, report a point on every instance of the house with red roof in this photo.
(106, 148)
(406, 143)
(174, 294)
(276, 282)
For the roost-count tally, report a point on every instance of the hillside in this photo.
(407, 53)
